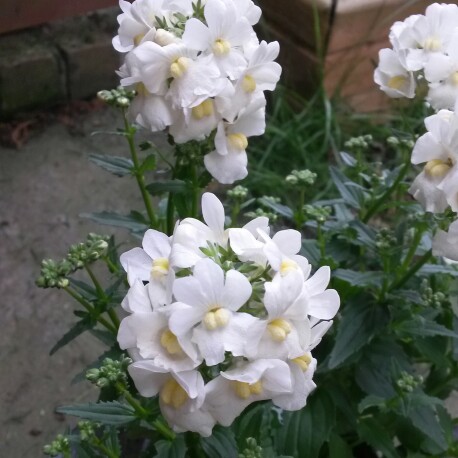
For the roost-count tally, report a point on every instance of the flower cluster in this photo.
(220, 318)
(198, 70)
(425, 48)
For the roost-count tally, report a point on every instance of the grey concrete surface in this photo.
(43, 188)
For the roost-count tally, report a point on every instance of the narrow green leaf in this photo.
(73, 333)
(173, 186)
(149, 164)
(351, 192)
(431, 269)
(361, 279)
(171, 449)
(108, 413)
(360, 322)
(281, 209)
(117, 220)
(119, 166)
(425, 419)
(420, 326)
(348, 159)
(221, 444)
(376, 435)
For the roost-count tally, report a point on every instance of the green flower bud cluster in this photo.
(408, 382)
(396, 142)
(430, 298)
(317, 213)
(110, 372)
(361, 143)
(54, 273)
(301, 178)
(384, 240)
(253, 450)
(273, 217)
(119, 97)
(238, 193)
(87, 430)
(60, 445)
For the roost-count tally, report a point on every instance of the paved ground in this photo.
(43, 188)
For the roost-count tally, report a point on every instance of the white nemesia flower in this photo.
(233, 390)
(181, 395)
(207, 305)
(446, 243)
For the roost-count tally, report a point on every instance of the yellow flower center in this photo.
(248, 84)
(160, 268)
(437, 168)
(221, 47)
(432, 44)
(138, 39)
(238, 141)
(245, 390)
(303, 361)
(172, 394)
(170, 342)
(179, 67)
(396, 82)
(140, 88)
(216, 318)
(279, 329)
(287, 266)
(203, 110)
(455, 79)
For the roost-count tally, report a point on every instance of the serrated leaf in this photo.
(311, 251)
(304, 432)
(83, 288)
(358, 326)
(172, 186)
(420, 326)
(350, 191)
(361, 279)
(119, 166)
(377, 436)
(281, 209)
(109, 413)
(425, 419)
(431, 269)
(117, 220)
(171, 449)
(112, 441)
(73, 333)
(221, 444)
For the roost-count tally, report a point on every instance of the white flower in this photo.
(446, 243)
(247, 9)
(223, 36)
(207, 305)
(231, 392)
(151, 263)
(425, 190)
(302, 371)
(137, 23)
(439, 149)
(281, 252)
(191, 234)
(181, 395)
(286, 331)
(392, 76)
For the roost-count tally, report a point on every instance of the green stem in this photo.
(195, 192)
(421, 262)
(98, 286)
(114, 317)
(321, 241)
(412, 250)
(299, 217)
(109, 453)
(143, 413)
(113, 267)
(138, 175)
(193, 445)
(381, 200)
(235, 212)
(170, 214)
(90, 309)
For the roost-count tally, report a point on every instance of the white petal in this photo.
(213, 213)
(237, 290)
(137, 264)
(288, 241)
(324, 305)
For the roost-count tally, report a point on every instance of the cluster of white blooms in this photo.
(220, 318)
(199, 70)
(425, 48)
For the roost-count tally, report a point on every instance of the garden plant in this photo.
(320, 321)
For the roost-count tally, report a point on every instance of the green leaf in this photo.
(338, 448)
(105, 337)
(359, 324)
(304, 432)
(171, 449)
(426, 420)
(311, 251)
(350, 191)
(112, 441)
(370, 401)
(73, 333)
(83, 288)
(108, 413)
(281, 209)
(420, 326)
(361, 279)
(376, 435)
(117, 220)
(173, 186)
(148, 164)
(119, 166)
(431, 269)
(348, 159)
(221, 444)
